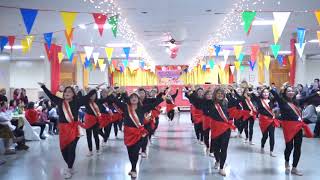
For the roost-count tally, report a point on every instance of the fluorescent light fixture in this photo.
(42, 57)
(105, 26)
(314, 41)
(115, 45)
(231, 42)
(284, 52)
(82, 26)
(261, 22)
(4, 58)
(13, 47)
(130, 55)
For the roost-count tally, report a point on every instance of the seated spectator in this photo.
(54, 117)
(33, 118)
(23, 96)
(13, 105)
(44, 119)
(8, 131)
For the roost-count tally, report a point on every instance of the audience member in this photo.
(33, 118)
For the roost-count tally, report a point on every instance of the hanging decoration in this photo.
(11, 40)
(217, 49)
(125, 63)
(100, 20)
(275, 33)
(252, 64)
(318, 35)
(68, 19)
(232, 69)
(88, 50)
(241, 56)
(301, 32)
(275, 50)
(28, 16)
(126, 51)
(29, 40)
(24, 45)
(87, 63)
(60, 56)
(226, 54)
(254, 52)
(211, 63)
(280, 21)
(317, 14)
(223, 65)
(280, 59)
(237, 50)
(74, 59)
(3, 42)
(95, 56)
(267, 60)
(100, 62)
(237, 65)
(291, 57)
(142, 64)
(248, 17)
(69, 51)
(48, 37)
(69, 36)
(109, 51)
(204, 67)
(300, 48)
(113, 21)
(82, 57)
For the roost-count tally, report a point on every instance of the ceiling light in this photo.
(82, 26)
(14, 47)
(42, 57)
(105, 26)
(130, 55)
(4, 58)
(261, 22)
(284, 52)
(115, 45)
(231, 42)
(314, 41)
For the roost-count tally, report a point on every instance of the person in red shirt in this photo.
(33, 117)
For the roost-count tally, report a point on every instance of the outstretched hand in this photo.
(100, 85)
(41, 84)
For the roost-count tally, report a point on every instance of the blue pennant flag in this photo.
(48, 38)
(28, 15)
(280, 59)
(126, 51)
(217, 49)
(301, 32)
(3, 42)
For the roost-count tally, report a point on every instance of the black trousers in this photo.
(316, 130)
(248, 128)
(120, 124)
(220, 147)
(170, 115)
(206, 137)
(94, 130)
(115, 128)
(19, 133)
(157, 123)
(295, 144)
(41, 125)
(199, 131)
(69, 153)
(133, 152)
(269, 132)
(55, 124)
(144, 143)
(237, 123)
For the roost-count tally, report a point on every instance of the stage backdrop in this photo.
(170, 74)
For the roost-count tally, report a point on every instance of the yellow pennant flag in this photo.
(60, 56)
(210, 51)
(237, 65)
(24, 45)
(68, 19)
(83, 57)
(318, 34)
(275, 33)
(102, 67)
(100, 62)
(74, 60)
(267, 60)
(317, 13)
(109, 52)
(237, 50)
(290, 57)
(29, 40)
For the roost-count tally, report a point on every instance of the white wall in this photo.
(307, 70)
(97, 77)
(5, 74)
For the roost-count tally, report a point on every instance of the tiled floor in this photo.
(174, 154)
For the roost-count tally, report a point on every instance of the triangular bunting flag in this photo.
(126, 51)
(48, 38)
(69, 36)
(141, 64)
(125, 63)
(248, 17)
(24, 45)
(275, 33)
(74, 59)
(217, 49)
(280, 60)
(86, 63)
(237, 50)
(113, 21)
(60, 56)
(301, 33)
(254, 52)
(100, 62)
(241, 56)
(275, 50)
(69, 51)
(267, 60)
(226, 54)
(211, 63)
(318, 35)
(317, 14)
(68, 18)
(223, 65)
(280, 20)
(109, 52)
(29, 39)
(300, 49)
(88, 50)
(100, 20)
(114, 63)
(28, 15)
(237, 65)
(252, 64)
(204, 67)
(232, 69)
(83, 58)
(102, 67)
(11, 40)
(95, 56)
(290, 57)
(3, 42)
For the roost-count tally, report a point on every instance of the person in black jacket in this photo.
(170, 105)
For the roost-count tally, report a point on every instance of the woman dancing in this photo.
(170, 105)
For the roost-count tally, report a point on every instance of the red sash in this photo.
(68, 132)
(247, 114)
(206, 122)
(116, 117)
(266, 121)
(156, 112)
(291, 128)
(105, 120)
(67, 111)
(89, 121)
(234, 113)
(170, 107)
(132, 135)
(197, 115)
(219, 127)
(267, 107)
(94, 107)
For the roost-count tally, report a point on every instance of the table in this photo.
(29, 133)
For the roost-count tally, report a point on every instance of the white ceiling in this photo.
(187, 20)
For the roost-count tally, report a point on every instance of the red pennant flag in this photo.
(284, 63)
(115, 64)
(100, 20)
(254, 51)
(48, 51)
(69, 37)
(11, 40)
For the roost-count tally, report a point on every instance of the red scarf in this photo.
(94, 107)
(267, 107)
(67, 111)
(250, 105)
(218, 127)
(296, 110)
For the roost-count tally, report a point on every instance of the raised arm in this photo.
(238, 95)
(175, 94)
(276, 96)
(121, 105)
(149, 107)
(310, 97)
(52, 97)
(84, 99)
